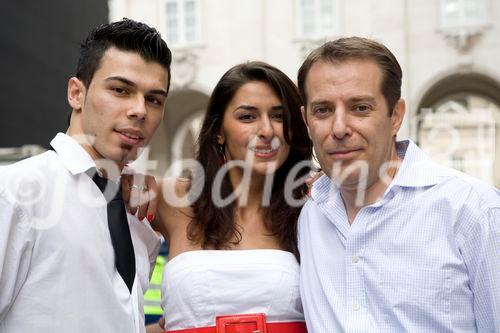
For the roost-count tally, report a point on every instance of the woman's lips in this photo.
(264, 152)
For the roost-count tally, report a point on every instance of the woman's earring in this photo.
(222, 156)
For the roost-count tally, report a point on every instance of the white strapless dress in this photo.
(200, 285)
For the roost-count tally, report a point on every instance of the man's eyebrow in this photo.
(158, 92)
(363, 98)
(320, 102)
(121, 79)
(132, 84)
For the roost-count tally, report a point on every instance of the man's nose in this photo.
(138, 109)
(341, 126)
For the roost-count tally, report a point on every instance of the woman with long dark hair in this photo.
(233, 258)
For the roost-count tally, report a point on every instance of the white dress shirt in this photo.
(424, 258)
(57, 263)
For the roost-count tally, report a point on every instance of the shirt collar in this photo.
(320, 188)
(417, 169)
(72, 154)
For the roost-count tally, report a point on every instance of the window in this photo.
(318, 18)
(456, 14)
(182, 21)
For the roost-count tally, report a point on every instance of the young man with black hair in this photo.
(67, 264)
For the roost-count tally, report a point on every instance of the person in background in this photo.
(152, 298)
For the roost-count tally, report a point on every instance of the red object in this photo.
(247, 323)
(150, 217)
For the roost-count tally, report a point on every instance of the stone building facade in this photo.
(449, 51)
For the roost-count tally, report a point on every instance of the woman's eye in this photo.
(277, 116)
(246, 117)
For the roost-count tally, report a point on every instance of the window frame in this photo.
(318, 32)
(181, 23)
(463, 21)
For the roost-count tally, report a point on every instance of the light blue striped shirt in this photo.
(424, 258)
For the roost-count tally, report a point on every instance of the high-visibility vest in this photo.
(152, 297)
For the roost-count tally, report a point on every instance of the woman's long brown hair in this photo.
(214, 227)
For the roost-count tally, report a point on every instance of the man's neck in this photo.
(355, 198)
(106, 168)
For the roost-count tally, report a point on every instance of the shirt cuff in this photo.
(147, 235)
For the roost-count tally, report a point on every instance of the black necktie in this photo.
(119, 230)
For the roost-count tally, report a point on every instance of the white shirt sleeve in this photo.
(146, 247)
(487, 280)
(16, 246)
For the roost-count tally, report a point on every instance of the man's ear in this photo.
(76, 93)
(304, 118)
(303, 112)
(398, 115)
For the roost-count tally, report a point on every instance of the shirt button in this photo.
(355, 259)
(355, 307)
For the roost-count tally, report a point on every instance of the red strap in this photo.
(210, 329)
(289, 327)
(292, 327)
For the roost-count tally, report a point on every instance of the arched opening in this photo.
(176, 136)
(459, 125)
(184, 141)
